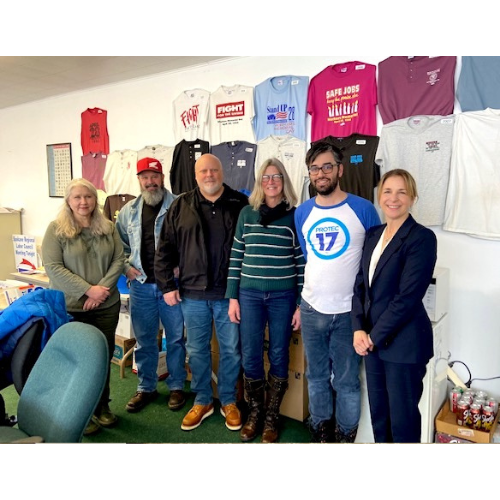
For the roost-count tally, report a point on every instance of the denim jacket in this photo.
(130, 230)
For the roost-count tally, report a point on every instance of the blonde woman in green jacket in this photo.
(83, 257)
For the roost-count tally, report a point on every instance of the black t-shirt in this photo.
(149, 215)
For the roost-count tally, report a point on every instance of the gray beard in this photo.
(152, 199)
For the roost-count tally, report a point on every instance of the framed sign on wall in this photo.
(60, 168)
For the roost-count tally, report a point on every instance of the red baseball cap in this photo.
(149, 164)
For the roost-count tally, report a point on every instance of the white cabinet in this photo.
(435, 381)
(10, 223)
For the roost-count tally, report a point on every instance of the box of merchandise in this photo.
(10, 293)
(161, 370)
(122, 346)
(446, 423)
(124, 327)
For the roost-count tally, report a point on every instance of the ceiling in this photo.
(30, 78)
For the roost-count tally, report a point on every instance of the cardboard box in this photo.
(124, 327)
(446, 423)
(436, 299)
(161, 370)
(12, 293)
(122, 346)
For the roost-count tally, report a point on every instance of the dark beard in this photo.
(153, 198)
(325, 191)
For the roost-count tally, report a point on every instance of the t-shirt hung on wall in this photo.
(280, 107)
(231, 114)
(416, 85)
(422, 145)
(191, 115)
(342, 100)
(478, 86)
(94, 132)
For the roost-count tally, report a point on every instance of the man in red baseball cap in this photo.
(139, 223)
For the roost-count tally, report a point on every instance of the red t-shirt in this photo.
(95, 138)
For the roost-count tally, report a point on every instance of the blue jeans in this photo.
(332, 362)
(257, 309)
(147, 308)
(198, 315)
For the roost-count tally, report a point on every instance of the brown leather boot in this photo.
(254, 396)
(276, 388)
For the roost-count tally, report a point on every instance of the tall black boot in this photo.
(276, 388)
(341, 437)
(254, 396)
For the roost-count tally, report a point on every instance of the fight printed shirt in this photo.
(342, 100)
(191, 115)
(280, 107)
(231, 114)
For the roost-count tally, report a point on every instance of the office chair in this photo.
(63, 388)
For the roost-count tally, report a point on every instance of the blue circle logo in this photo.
(325, 236)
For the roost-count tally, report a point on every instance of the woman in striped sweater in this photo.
(266, 274)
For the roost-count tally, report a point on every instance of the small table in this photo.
(37, 279)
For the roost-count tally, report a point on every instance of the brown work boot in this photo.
(92, 428)
(139, 400)
(232, 416)
(196, 415)
(105, 417)
(276, 388)
(176, 400)
(254, 396)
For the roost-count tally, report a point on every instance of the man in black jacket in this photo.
(196, 237)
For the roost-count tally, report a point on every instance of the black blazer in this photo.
(391, 309)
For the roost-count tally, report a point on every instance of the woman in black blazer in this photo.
(391, 327)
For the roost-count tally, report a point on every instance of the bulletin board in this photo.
(60, 168)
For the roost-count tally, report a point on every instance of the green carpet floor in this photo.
(157, 424)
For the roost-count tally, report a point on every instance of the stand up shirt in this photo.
(478, 85)
(416, 85)
(422, 145)
(473, 202)
(191, 115)
(342, 100)
(94, 132)
(280, 107)
(231, 114)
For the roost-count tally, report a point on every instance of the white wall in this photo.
(139, 114)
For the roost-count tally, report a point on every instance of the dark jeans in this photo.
(105, 320)
(276, 309)
(394, 391)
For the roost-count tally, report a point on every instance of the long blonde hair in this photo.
(66, 224)
(257, 197)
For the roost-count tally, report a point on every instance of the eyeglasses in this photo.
(274, 177)
(327, 168)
